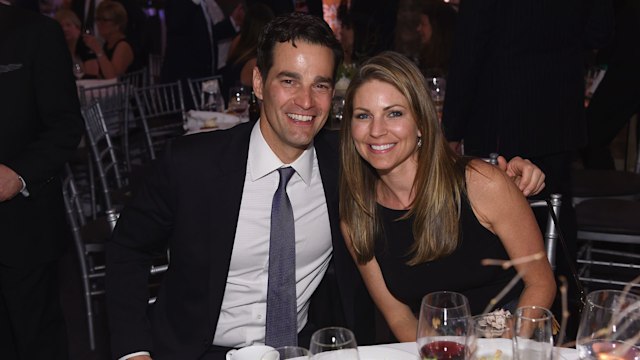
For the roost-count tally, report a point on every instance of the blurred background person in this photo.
(40, 130)
(243, 50)
(79, 51)
(116, 56)
(436, 30)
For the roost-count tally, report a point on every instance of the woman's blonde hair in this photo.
(113, 11)
(68, 15)
(439, 182)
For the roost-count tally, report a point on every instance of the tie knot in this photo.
(285, 175)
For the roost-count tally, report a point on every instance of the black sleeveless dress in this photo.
(461, 271)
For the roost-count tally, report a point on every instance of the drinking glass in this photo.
(333, 343)
(210, 97)
(78, 68)
(609, 322)
(493, 334)
(287, 353)
(533, 334)
(239, 101)
(444, 326)
(437, 88)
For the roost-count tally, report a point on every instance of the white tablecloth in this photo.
(411, 347)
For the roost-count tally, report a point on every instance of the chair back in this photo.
(104, 153)
(161, 113)
(114, 102)
(138, 78)
(198, 86)
(155, 67)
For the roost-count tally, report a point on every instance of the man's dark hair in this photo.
(296, 27)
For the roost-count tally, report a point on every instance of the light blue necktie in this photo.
(282, 323)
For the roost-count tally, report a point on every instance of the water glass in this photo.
(78, 68)
(287, 353)
(210, 97)
(493, 334)
(609, 322)
(239, 101)
(533, 333)
(333, 343)
(437, 87)
(444, 327)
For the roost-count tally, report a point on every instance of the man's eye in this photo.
(287, 81)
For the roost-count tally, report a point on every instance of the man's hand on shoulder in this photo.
(10, 184)
(526, 175)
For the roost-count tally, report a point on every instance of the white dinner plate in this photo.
(383, 353)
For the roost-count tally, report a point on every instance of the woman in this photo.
(79, 51)
(436, 28)
(116, 56)
(243, 52)
(416, 217)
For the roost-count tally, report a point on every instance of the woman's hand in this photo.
(92, 43)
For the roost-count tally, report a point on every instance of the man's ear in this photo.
(257, 83)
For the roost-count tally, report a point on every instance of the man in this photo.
(40, 127)
(209, 200)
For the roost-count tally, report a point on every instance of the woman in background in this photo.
(116, 56)
(436, 28)
(79, 51)
(416, 217)
(243, 50)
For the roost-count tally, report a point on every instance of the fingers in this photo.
(526, 175)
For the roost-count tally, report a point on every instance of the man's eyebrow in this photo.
(288, 74)
(323, 79)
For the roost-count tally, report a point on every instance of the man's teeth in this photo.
(382, 147)
(298, 117)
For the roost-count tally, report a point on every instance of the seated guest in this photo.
(416, 217)
(116, 56)
(436, 28)
(79, 51)
(243, 51)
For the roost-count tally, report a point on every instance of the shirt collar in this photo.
(263, 161)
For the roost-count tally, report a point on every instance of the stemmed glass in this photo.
(78, 68)
(239, 101)
(610, 326)
(444, 326)
(334, 343)
(533, 333)
(437, 88)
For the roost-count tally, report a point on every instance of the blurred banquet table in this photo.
(89, 83)
(200, 121)
(409, 351)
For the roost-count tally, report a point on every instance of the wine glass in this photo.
(210, 97)
(78, 68)
(444, 326)
(239, 101)
(609, 322)
(287, 353)
(437, 87)
(333, 343)
(533, 334)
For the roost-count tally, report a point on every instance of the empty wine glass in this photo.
(210, 97)
(444, 326)
(333, 343)
(610, 326)
(533, 333)
(493, 332)
(437, 88)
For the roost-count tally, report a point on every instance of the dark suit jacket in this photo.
(280, 7)
(516, 81)
(188, 53)
(190, 201)
(40, 127)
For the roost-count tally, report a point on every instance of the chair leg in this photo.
(92, 189)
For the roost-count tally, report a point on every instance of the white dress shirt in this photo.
(243, 312)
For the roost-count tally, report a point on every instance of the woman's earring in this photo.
(419, 142)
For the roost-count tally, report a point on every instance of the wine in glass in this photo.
(533, 334)
(444, 326)
(333, 343)
(610, 326)
(239, 101)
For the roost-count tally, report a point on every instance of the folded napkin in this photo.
(205, 120)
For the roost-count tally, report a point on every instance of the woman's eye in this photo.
(395, 114)
(361, 116)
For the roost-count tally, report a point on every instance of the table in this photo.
(198, 121)
(411, 347)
